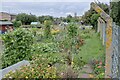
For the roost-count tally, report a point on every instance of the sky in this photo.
(56, 8)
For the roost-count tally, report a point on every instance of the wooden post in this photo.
(108, 62)
(108, 20)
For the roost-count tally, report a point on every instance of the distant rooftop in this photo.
(34, 23)
(8, 13)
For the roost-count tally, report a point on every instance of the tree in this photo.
(86, 18)
(115, 12)
(43, 18)
(25, 18)
(72, 32)
(69, 18)
(47, 30)
(94, 19)
(17, 24)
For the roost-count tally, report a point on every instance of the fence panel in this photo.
(116, 51)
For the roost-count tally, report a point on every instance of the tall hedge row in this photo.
(17, 46)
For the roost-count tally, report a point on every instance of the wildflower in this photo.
(91, 76)
(32, 69)
(10, 77)
(72, 62)
(100, 62)
(26, 77)
(62, 73)
(99, 67)
(96, 62)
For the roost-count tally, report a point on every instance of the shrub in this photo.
(45, 48)
(17, 46)
(78, 62)
(47, 30)
(40, 68)
(72, 30)
(99, 66)
(17, 24)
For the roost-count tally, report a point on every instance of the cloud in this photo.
(53, 0)
(69, 13)
(46, 8)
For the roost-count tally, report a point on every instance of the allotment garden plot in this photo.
(54, 52)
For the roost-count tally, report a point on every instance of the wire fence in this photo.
(115, 65)
(116, 51)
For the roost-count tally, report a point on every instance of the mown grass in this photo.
(93, 48)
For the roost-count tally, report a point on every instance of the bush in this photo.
(78, 62)
(17, 46)
(72, 30)
(47, 30)
(45, 48)
(17, 24)
(99, 66)
(41, 67)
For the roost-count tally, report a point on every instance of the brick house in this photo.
(7, 16)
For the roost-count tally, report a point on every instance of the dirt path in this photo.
(86, 72)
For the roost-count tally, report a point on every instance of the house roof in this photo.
(34, 23)
(8, 13)
(5, 23)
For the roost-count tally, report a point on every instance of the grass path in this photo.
(92, 49)
(86, 72)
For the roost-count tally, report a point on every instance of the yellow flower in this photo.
(26, 77)
(91, 76)
(32, 69)
(72, 62)
(55, 31)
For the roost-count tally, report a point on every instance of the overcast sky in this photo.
(54, 8)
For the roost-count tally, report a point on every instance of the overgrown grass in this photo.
(93, 48)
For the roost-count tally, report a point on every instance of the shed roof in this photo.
(5, 23)
(34, 23)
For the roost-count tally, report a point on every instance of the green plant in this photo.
(72, 30)
(78, 62)
(17, 24)
(17, 46)
(47, 30)
(99, 66)
(40, 67)
(45, 48)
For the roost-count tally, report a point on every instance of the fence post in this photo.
(108, 61)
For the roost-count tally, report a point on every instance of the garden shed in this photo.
(35, 24)
(5, 25)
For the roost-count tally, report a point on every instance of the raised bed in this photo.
(14, 67)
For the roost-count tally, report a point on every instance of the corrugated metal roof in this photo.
(35, 22)
(5, 23)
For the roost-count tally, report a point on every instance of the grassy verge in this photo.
(93, 48)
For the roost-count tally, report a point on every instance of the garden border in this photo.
(3, 72)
